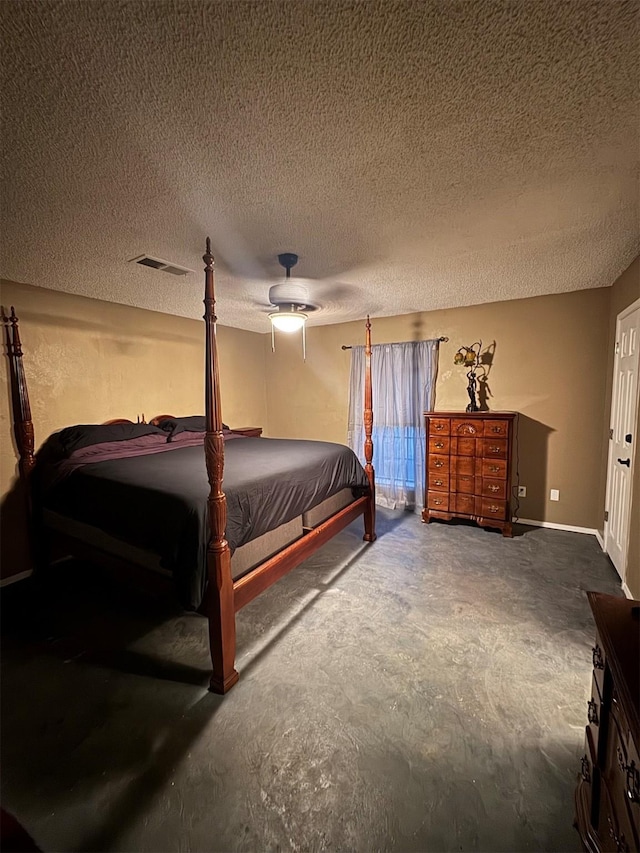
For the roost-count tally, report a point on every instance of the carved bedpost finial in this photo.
(17, 343)
(208, 257)
(212, 390)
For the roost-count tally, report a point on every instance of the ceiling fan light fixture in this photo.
(290, 315)
(288, 321)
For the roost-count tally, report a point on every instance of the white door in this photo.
(623, 440)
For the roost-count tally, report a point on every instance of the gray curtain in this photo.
(403, 380)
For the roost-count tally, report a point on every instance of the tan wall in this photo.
(624, 291)
(549, 365)
(88, 361)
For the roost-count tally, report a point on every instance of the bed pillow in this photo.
(77, 437)
(194, 423)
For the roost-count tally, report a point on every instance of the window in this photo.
(393, 443)
(403, 384)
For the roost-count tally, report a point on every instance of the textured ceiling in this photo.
(416, 155)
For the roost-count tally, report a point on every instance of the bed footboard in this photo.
(246, 588)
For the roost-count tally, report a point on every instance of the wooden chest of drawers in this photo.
(469, 467)
(608, 792)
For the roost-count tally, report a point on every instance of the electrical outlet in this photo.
(554, 495)
(522, 491)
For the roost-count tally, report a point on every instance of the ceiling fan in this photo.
(290, 299)
(290, 302)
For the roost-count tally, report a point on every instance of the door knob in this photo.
(626, 462)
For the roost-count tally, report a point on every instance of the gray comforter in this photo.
(159, 501)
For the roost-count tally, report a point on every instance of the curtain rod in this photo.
(441, 339)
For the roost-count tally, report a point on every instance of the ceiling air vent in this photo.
(159, 264)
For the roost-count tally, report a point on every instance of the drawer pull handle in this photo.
(438, 463)
(632, 781)
(620, 841)
(622, 764)
(584, 769)
(496, 429)
(592, 712)
(494, 449)
(437, 501)
(437, 482)
(494, 488)
(439, 443)
(439, 426)
(494, 508)
(494, 468)
(598, 662)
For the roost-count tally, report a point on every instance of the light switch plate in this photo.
(554, 495)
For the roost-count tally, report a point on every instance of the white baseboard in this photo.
(626, 590)
(570, 527)
(600, 540)
(13, 578)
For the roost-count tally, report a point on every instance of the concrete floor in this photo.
(425, 693)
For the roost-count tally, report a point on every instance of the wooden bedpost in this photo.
(370, 511)
(22, 423)
(219, 595)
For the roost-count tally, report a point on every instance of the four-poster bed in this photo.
(311, 512)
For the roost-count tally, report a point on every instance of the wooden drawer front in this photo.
(438, 444)
(494, 448)
(464, 483)
(598, 661)
(589, 759)
(615, 823)
(631, 776)
(464, 503)
(587, 790)
(494, 468)
(496, 428)
(590, 746)
(463, 446)
(594, 715)
(463, 465)
(623, 774)
(462, 427)
(439, 482)
(623, 770)
(494, 489)
(438, 426)
(490, 508)
(438, 500)
(439, 463)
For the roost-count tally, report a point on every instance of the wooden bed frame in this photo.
(223, 596)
